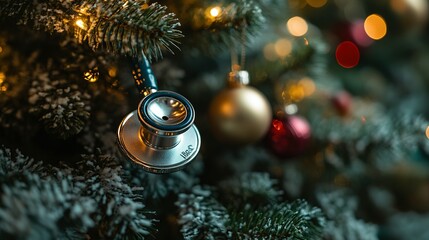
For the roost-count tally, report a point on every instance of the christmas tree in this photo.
(309, 118)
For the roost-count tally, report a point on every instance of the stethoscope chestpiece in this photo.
(160, 135)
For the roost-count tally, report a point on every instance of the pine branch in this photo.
(237, 21)
(381, 139)
(61, 106)
(255, 189)
(127, 28)
(201, 216)
(297, 220)
(411, 224)
(13, 164)
(342, 223)
(158, 186)
(36, 208)
(120, 212)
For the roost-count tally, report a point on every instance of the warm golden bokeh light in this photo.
(91, 75)
(270, 52)
(1, 49)
(316, 3)
(80, 24)
(375, 27)
(293, 93)
(3, 88)
(283, 47)
(112, 72)
(2, 77)
(144, 6)
(297, 26)
(215, 11)
(308, 86)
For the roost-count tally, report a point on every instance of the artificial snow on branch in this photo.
(121, 27)
(220, 25)
(296, 220)
(203, 216)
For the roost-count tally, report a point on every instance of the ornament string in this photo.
(243, 46)
(235, 64)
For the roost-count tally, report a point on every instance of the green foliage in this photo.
(36, 208)
(342, 223)
(46, 15)
(256, 189)
(296, 220)
(120, 212)
(157, 186)
(91, 200)
(128, 28)
(15, 163)
(238, 20)
(384, 138)
(62, 107)
(403, 225)
(202, 216)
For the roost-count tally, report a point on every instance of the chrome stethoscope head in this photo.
(160, 135)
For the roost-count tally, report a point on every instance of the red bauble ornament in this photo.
(342, 102)
(289, 136)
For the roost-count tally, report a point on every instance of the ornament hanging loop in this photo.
(235, 64)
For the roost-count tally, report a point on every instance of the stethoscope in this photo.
(160, 135)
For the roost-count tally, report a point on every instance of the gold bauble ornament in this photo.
(240, 114)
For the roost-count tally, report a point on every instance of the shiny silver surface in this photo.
(159, 141)
(141, 146)
(166, 110)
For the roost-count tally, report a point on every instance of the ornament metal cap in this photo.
(238, 78)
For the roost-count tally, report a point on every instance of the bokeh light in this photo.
(418, 8)
(215, 11)
(347, 54)
(283, 47)
(2, 77)
(297, 26)
(80, 24)
(113, 71)
(3, 87)
(375, 27)
(144, 6)
(359, 35)
(91, 75)
(316, 3)
(293, 93)
(308, 86)
(270, 52)
(291, 109)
